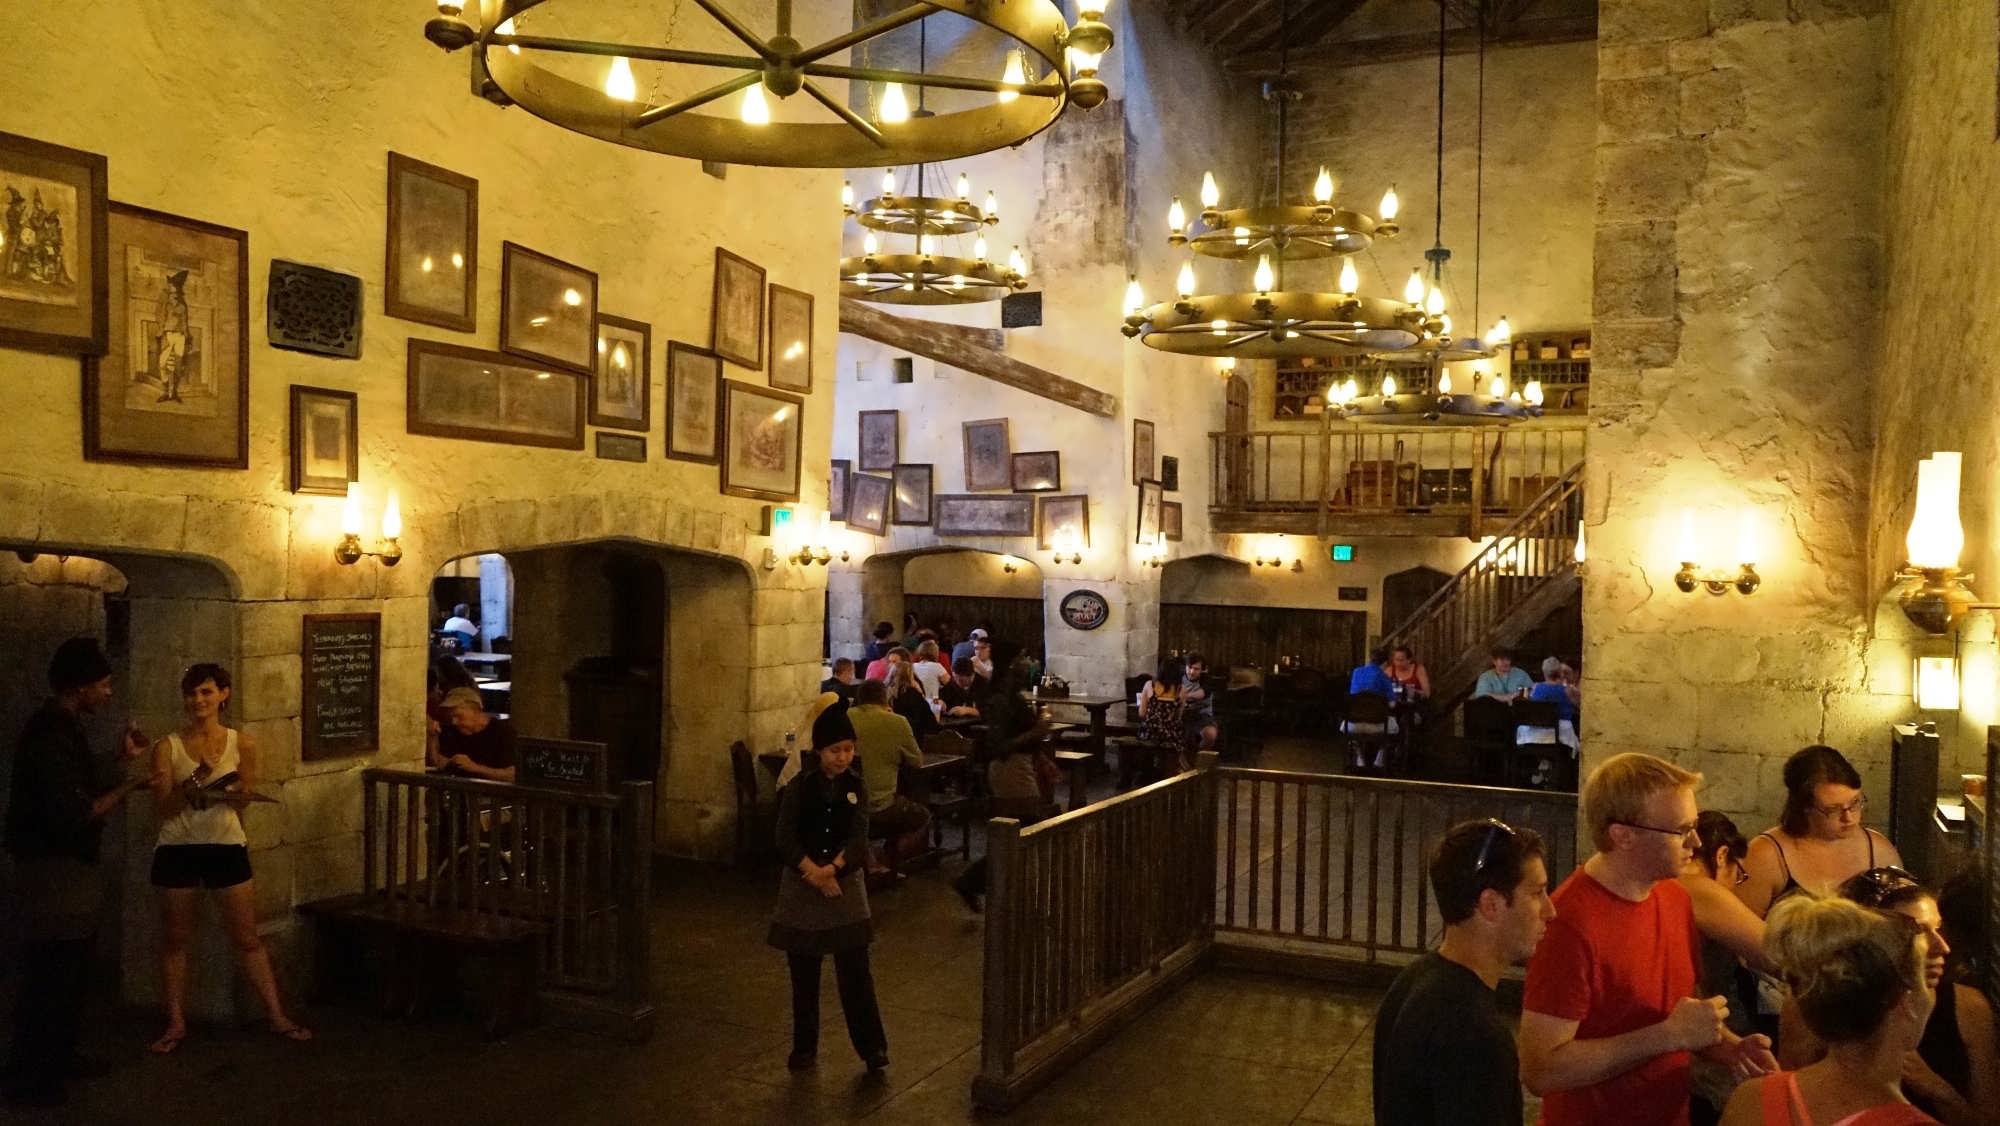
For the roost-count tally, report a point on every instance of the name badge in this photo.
(853, 798)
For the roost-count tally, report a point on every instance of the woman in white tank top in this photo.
(202, 846)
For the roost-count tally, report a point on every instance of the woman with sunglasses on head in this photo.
(1819, 839)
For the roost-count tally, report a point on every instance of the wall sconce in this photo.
(1578, 555)
(1009, 564)
(1225, 367)
(1156, 552)
(1937, 595)
(349, 550)
(782, 523)
(1691, 577)
(1068, 546)
(1934, 684)
(1272, 554)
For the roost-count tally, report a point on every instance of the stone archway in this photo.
(881, 589)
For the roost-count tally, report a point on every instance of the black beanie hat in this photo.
(832, 727)
(77, 662)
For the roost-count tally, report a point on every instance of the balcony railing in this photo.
(1465, 479)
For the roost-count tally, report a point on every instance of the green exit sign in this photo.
(1341, 553)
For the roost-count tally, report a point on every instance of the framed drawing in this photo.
(1149, 511)
(694, 403)
(621, 387)
(836, 489)
(326, 445)
(55, 263)
(1038, 472)
(913, 495)
(736, 322)
(433, 245)
(173, 387)
(1064, 519)
(791, 340)
(974, 515)
(458, 392)
(1170, 474)
(986, 455)
(1170, 520)
(868, 503)
(879, 443)
(548, 309)
(760, 442)
(1142, 451)
(620, 447)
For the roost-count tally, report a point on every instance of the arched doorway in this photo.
(1404, 591)
(958, 588)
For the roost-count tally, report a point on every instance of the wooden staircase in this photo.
(1502, 595)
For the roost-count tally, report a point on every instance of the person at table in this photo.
(473, 742)
(1015, 732)
(61, 793)
(1819, 840)
(963, 693)
(1408, 674)
(885, 744)
(982, 661)
(823, 896)
(1199, 710)
(964, 649)
(1731, 939)
(930, 672)
(1503, 682)
(882, 640)
(1444, 1054)
(460, 625)
(1858, 976)
(907, 699)
(843, 681)
(1163, 713)
(1552, 690)
(878, 669)
(1372, 676)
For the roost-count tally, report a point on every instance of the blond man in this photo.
(1609, 1019)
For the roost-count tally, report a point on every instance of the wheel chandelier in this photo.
(929, 275)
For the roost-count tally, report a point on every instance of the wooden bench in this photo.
(415, 939)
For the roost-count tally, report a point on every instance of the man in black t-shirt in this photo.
(1444, 1055)
(963, 694)
(475, 742)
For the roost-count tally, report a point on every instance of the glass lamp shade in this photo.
(1934, 684)
(1936, 539)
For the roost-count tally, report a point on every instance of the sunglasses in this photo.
(1878, 884)
(1495, 829)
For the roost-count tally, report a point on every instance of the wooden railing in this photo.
(1087, 915)
(578, 863)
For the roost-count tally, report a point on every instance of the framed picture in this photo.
(326, 445)
(913, 495)
(1170, 474)
(458, 392)
(621, 387)
(548, 309)
(621, 447)
(791, 339)
(986, 455)
(55, 264)
(1038, 472)
(974, 515)
(1149, 511)
(1065, 516)
(1170, 520)
(694, 403)
(433, 245)
(736, 325)
(868, 503)
(1142, 451)
(879, 443)
(836, 489)
(760, 442)
(173, 387)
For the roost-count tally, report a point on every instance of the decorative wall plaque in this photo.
(314, 310)
(1084, 609)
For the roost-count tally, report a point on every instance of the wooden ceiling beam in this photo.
(1317, 24)
(949, 344)
(1400, 48)
(1227, 19)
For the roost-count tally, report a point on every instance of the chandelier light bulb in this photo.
(964, 186)
(869, 245)
(895, 107)
(1502, 331)
(1184, 284)
(1444, 383)
(1444, 324)
(847, 195)
(1242, 235)
(1498, 388)
(1219, 327)
(1434, 303)
(992, 207)
(1413, 290)
(1263, 279)
(1389, 204)
(1350, 389)
(1388, 386)
(1176, 217)
(926, 245)
(1014, 75)
(1210, 193)
(1350, 278)
(1135, 298)
(618, 81)
(1534, 392)
(888, 181)
(1084, 63)
(1323, 187)
(1017, 262)
(756, 110)
(979, 248)
(1090, 9)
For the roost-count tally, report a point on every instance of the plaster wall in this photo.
(971, 574)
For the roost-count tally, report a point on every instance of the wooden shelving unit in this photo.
(1302, 384)
(1561, 360)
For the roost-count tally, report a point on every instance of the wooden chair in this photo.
(1489, 736)
(1530, 718)
(953, 806)
(1366, 727)
(1239, 712)
(755, 821)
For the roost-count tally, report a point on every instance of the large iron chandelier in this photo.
(931, 275)
(1270, 321)
(507, 69)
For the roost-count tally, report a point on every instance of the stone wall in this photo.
(1739, 226)
(1229, 581)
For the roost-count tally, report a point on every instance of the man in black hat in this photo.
(62, 794)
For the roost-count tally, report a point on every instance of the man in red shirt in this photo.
(1609, 1016)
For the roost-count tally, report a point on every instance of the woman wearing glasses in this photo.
(1819, 840)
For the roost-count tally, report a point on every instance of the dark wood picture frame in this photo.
(323, 485)
(1149, 517)
(868, 501)
(395, 301)
(491, 362)
(314, 742)
(687, 362)
(987, 470)
(1052, 512)
(1037, 471)
(578, 354)
(1142, 451)
(984, 514)
(613, 445)
(879, 441)
(836, 489)
(789, 371)
(35, 325)
(735, 392)
(564, 764)
(1170, 473)
(743, 344)
(1172, 520)
(642, 371)
(101, 426)
(906, 479)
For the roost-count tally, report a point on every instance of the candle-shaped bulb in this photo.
(895, 107)
(1014, 76)
(1323, 187)
(847, 196)
(1135, 298)
(350, 510)
(888, 181)
(1090, 9)
(1502, 331)
(1176, 216)
(964, 186)
(1434, 302)
(1689, 550)
(1389, 204)
(1388, 386)
(1936, 539)
(1413, 290)
(979, 248)
(1210, 193)
(1534, 393)
(1350, 278)
(1497, 388)
(756, 110)
(869, 244)
(1242, 235)
(926, 245)
(992, 207)
(618, 81)
(1017, 262)
(392, 518)
(1746, 539)
(1444, 383)
(1184, 284)
(1263, 279)
(1579, 553)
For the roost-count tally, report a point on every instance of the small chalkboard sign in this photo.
(341, 681)
(561, 764)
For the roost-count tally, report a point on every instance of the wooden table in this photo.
(1077, 765)
(1097, 706)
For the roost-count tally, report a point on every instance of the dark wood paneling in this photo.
(1330, 640)
(1018, 620)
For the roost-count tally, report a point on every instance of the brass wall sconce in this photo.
(1156, 552)
(781, 523)
(1272, 553)
(1938, 594)
(349, 550)
(1068, 547)
(1691, 577)
(1008, 564)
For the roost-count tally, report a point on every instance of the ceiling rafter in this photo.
(1396, 48)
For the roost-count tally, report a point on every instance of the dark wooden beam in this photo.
(949, 344)
(1401, 48)
(1315, 25)
(1225, 20)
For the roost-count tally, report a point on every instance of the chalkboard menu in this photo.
(562, 764)
(341, 658)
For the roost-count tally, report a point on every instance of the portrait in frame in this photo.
(173, 387)
(868, 498)
(326, 443)
(694, 403)
(836, 489)
(791, 340)
(913, 495)
(481, 396)
(55, 261)
(621, 386)
(548, 309)
(736, 325)
(1037, 472)
(1170, 520)
(1142, 451)
(1170, 473)
(761, 434)
(987, 454)
(1053, 514)
(879, 443)
(1149, 511)
(961, 514)
(433, 245)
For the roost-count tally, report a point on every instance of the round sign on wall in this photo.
(1084, 609)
